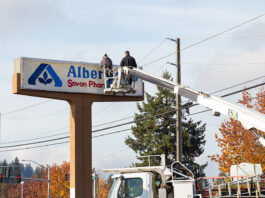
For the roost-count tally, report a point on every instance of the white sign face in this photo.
(64, 76)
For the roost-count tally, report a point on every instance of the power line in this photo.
(220, 90)
(120, 131)
(227, 30)
(35, 146)
(233, 86)
(39, 142)
(197, 43)
(65, 141)
(126, 123)
(206, 39)
(27, 107)
(211, 109)
(103, 134)
(188, 106)
(155, 48)
(25, 140)
(194, 63)
(38, 117)
(238, 37)
(110, 154)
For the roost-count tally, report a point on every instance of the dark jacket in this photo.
(128, 61)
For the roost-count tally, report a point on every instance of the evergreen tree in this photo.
(28, 171)
(157, 135)
(16, 167)
(3, 164)
(38, 171)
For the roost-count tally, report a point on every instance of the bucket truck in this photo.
(176, 181)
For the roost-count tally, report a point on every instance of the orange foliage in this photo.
(102, 188)
(59, 187)
(237, 144)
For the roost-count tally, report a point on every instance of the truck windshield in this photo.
(133, 188)
(112, 188)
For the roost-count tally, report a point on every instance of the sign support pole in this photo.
(80, 131)
(80, 146)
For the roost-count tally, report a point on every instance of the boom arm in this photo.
(250, 119)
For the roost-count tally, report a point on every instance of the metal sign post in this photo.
(80, 84)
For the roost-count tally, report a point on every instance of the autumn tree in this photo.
(60, 187)
(102, 187)
(237, 144)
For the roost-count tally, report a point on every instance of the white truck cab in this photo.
(152, 182)
(132, 185)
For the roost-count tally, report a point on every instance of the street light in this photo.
(172, 39)
(172, 64)
(48, 168)
(22, 189)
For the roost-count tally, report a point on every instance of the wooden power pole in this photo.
(178, 106)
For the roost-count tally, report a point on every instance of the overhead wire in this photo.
(95, 136)
(27, 107)
(110, 154)
(206, 39)
(197, 43)
(220, 90)
(25, 140)
(229, 94)
(237, 37)
(154, 49)
(38, 117)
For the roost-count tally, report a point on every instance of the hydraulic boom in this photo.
(250, 119)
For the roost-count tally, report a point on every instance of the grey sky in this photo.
(85, 30)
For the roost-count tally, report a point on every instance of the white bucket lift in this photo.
(118, 82)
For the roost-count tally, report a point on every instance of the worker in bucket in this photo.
(106, 63)
(128, 60)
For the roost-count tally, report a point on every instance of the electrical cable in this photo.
(223, 63)
(27, 107)
(238, 37)
(224, 89)
(38, 117)
(63, 142)
(149, 53)
(25, 140)
(110, 154)
(197, 43)
(92, 137)
(134, 121)
(206, 39)
(43, 141)
(120, 131)
(211, 109)
(188, 106)
(34, 147)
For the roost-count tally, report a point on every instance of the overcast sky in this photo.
(85, 30)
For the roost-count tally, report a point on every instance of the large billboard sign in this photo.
(64, 76)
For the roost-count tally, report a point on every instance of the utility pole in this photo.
(178, 106)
